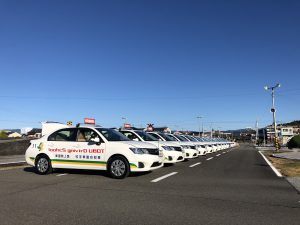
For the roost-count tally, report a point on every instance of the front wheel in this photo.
(43, 165)
(118, 167)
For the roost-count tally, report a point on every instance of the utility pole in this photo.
(256, 135)
(273, 110)
(264, 136)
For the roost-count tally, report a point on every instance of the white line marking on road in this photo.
(196, 164)
(270, 164)
(218, 155)
(223, 152)
(63, 174)
(163, 177)
(7, 163)
(210, 158)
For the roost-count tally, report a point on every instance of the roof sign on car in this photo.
(89, 121)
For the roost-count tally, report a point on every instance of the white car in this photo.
(202, 151)
(170, 155)
(189, 148)
(204, 144)
(209, 148)
(92, 148)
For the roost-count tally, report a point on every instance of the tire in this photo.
(118, 167)
(43, 165)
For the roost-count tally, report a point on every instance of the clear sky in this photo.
(164, 62)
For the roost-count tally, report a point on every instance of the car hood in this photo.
(189, 143)
(138, 144)
(165, 143)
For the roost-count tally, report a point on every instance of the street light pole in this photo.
(219, 130)
(273, 110)
(124, 118)
(199, 118)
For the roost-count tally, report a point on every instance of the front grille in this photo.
(178, 149)
(193, 147)
(155, 164)
(152, 151)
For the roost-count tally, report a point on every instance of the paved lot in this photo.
(235, 187)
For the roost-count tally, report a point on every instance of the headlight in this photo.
(168, 148)
(139, 151)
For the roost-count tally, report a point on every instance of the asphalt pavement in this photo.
(228, 187)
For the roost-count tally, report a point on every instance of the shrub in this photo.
(3, 134)
(294, 142)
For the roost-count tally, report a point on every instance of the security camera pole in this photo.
(273, 110)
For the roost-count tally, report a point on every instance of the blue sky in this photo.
(164, 62)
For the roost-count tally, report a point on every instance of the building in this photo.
(14, 135)
(286, 133)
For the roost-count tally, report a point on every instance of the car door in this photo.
(58, 147)
(91, 152)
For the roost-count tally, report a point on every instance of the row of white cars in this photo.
(117, 151)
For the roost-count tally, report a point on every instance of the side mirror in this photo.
(96, 140)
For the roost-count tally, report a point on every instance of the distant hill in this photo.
(13, 130)
(295, 123)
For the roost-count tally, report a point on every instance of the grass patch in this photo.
(288, 167)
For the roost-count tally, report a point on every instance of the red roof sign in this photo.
(89, 121)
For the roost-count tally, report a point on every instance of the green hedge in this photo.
(294, 142)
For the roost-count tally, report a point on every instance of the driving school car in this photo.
(92, 148)
(171, 154)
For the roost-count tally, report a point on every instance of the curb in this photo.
(8, 164)
(285, 157)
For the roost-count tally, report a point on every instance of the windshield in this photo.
(112, 135)
(166, 137)
(145, 136)
(189, 138)
(193, 138)
(171, 137)
(180, 138)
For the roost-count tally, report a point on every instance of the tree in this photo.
(294, 142)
